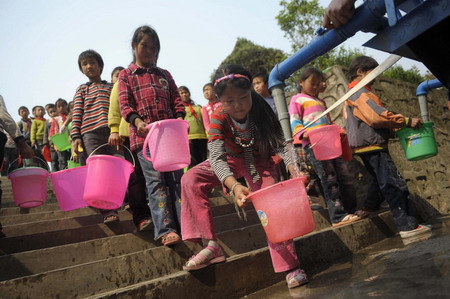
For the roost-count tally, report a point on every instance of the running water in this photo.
(294, 159)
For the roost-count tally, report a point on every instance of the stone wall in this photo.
(428, 180)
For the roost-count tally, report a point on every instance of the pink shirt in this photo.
(207, 111)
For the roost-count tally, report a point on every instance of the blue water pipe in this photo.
(368, 17)
(421, 93)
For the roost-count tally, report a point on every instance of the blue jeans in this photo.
(393, 188)
(337, 184)
(164, 197)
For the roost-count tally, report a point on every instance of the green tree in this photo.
(398, 72)
(254, 58)
(299, 19)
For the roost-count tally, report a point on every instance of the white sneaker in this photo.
(414, 232)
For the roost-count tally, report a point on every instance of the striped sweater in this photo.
(225, 135)
(90, 111)
(304, 109)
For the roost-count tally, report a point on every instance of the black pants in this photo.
(197, 147)
(393, 188)
(137, 197)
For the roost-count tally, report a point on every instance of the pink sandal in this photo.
(202, 260)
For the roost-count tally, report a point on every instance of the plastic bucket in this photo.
(168, 143)
(69, 185)
(284, 210)
(418, 144)
(72, 164)
(326, 142)
(106, 181)
(347, 153)
(29, 186)
(61, 141)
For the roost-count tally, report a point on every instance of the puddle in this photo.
(417, 267)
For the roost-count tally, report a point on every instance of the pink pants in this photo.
(196, 216)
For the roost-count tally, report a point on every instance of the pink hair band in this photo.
(230, 76)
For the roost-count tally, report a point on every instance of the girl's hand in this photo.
(416, 122)
(75, 143)
(114, 139)
(240, 193)
(305, 135)
(141, 127)
(25, 150)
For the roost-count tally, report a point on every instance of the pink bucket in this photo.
(69, 185)
(106, 181)
(168, 143)
(283, 210)
(29, 185)
(326, 142)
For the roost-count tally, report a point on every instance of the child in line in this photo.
(261, 86)
(24, 125)
(147, 94)
(115, 74)
(197, 134)
(52, 113)
(369, 126)
(37, 136)
(120, 134)
(213, 105)
(333, 174)
(244, 134)
(61, 107)
(90, 114)
(38, 127)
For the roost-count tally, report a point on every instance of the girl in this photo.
(244, 134)
(213, 105)
(119, 135)
(147, 94)
(197, 135)
(333, 174)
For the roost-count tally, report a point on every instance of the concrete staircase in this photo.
(53, 254)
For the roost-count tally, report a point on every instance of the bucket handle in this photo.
(131, 154)
(45, 163)
(151, 128)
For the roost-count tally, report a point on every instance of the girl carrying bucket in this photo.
(147, 94)
(334, 176)
(244, 134)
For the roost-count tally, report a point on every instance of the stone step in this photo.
(7, 211)
(44, 234)
(155, 272)
(20, 264)
(215, 200)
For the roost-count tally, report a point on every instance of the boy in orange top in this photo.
(369, 126)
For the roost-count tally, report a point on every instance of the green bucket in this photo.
(418, 144)
(72, 164)
(61, 141)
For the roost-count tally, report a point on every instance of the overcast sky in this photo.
(40, 41)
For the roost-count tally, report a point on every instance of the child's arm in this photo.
(177, 105)
(205, 118)
(78, 110)
(33, 132)
(296, 113)
(114, 116)
(367, 108)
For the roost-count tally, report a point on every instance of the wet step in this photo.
(316, 251)
(157, 269)
(416, 267)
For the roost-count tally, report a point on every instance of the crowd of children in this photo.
(236, 135)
